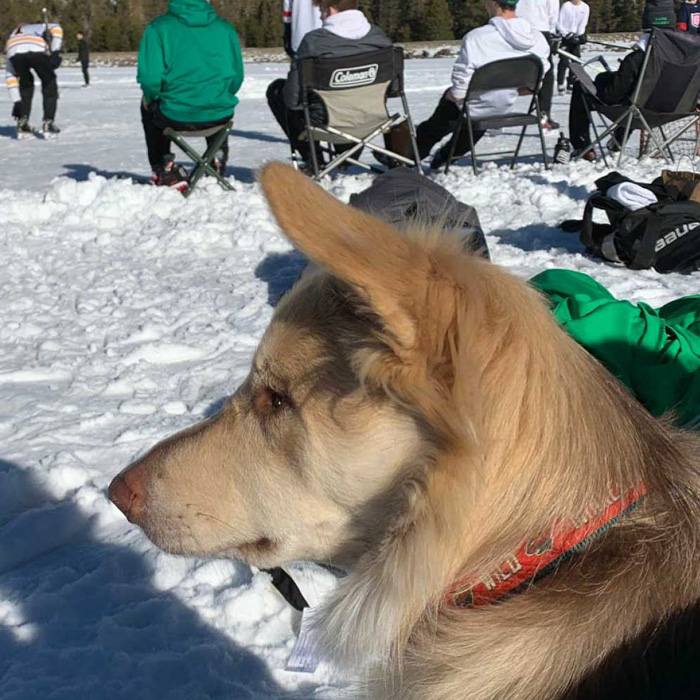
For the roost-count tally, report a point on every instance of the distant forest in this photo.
(117, 25)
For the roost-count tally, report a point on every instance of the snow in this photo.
(129, 313)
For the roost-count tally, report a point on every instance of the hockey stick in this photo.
(617, 47)
(47, 31)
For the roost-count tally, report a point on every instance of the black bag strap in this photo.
(646, 252)
(593, 234)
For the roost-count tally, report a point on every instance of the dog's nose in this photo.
(127, 492)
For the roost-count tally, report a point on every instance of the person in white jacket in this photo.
(300, 18)
(571, 27)
(543, 15)
(505, 36)
(33, 48)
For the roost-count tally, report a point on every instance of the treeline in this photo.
(117, 25)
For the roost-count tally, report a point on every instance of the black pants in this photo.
(564, 62)
(580, 124)
(86, 75)
(292, 120)
(443, 122)
(547, 92)
(24, 64)
(158, 145)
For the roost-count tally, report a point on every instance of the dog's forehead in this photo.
(290, 347)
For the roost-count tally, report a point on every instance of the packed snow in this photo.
(129, 313)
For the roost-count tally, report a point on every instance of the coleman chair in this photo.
(525, 73)
(666, 91)
(203, 162)
(354, 93)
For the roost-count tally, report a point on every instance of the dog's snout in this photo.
(127, 492)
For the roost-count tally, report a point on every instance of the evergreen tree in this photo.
(437, 22)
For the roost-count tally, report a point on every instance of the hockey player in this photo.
(573, 20)
(84, 56)
(689, 17)
(505, 36)
(33, 48)
(543, 15)
(300, 18)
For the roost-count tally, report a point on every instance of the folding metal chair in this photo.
(523, 73)
(666, 91)
(203, 163)
(354, 92)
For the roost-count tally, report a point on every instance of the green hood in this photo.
(193, 13)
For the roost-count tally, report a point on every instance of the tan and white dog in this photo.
(415, 415)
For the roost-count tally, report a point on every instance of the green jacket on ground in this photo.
(655, 352)
(190, 61)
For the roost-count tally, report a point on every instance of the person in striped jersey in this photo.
(33, 48)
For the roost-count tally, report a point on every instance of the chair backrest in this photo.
(508, 74)
(355, 88)
(670, 80)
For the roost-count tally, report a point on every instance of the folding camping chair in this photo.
(523, 73)
(354, 91)
(203, 163)
(667, 90)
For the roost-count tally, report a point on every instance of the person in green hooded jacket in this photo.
(654, 352)
(190, 69)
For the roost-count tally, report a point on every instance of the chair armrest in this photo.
(586, 81)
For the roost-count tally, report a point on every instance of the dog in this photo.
(511, 518)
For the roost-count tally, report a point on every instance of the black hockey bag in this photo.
(664, 235)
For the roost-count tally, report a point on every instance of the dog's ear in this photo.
(360, 249)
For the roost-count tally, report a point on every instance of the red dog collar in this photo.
(538, 558)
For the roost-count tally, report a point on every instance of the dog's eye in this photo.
(278, 400)
(267, 401)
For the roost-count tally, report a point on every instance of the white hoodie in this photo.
(573, 19)
(304, 17)
(499, 39)
(541, 14)
(350, 24)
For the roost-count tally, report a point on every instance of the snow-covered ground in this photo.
(128, 313)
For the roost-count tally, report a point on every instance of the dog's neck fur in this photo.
(547, 432)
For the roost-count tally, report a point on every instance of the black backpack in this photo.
(664, 236)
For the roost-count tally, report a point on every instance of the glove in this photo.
(582, 39)
(17, 110)
(288, 40)
(55, 60)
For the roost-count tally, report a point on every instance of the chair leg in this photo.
(472, 148)
(666, 143)
(660, 147)
(412, 132)
(519, 146)
(625, 138)
(204, 165)
(540, 128)
(202, 162)
(543, 142)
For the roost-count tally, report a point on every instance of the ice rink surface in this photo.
(128, 313)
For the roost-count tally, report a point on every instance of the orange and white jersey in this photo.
(12, 81)
(32, 37)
